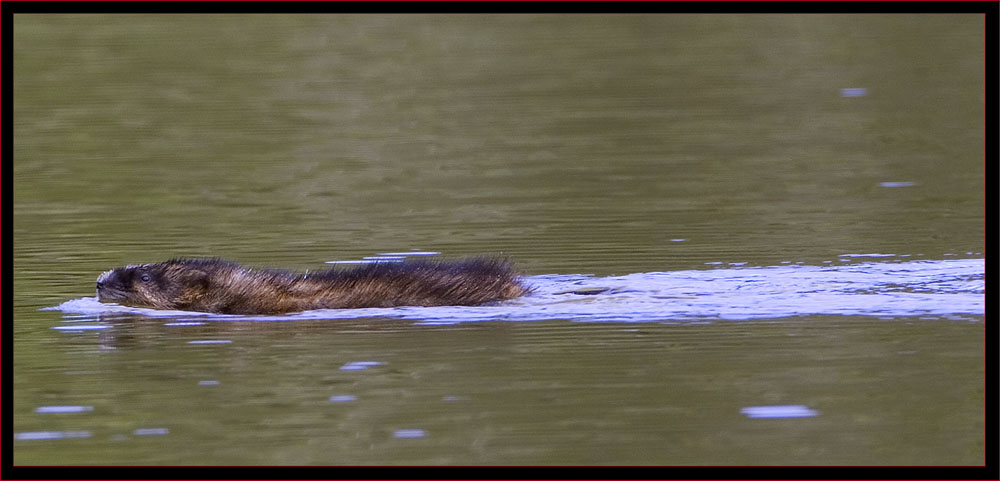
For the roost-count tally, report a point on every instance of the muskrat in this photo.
(220, 286)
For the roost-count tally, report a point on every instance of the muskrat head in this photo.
(165, 285)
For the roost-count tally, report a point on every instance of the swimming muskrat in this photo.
(219, 286)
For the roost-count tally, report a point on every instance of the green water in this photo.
(600, 145)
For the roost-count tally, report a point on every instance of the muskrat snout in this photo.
(108, 286)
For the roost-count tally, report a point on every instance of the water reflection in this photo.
(82, 327)
(385, 257)
(50, 435)
(853, 92)
(360, 365)
(63, 409)
(408, 433)
(151, 432)
(772, 412)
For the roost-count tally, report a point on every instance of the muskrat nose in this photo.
(102, 280)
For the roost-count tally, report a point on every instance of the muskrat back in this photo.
(220, 286)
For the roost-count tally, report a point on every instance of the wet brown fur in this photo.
(219, 286)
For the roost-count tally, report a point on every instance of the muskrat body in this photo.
(219, 286)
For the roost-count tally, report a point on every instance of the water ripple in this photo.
(944, 288)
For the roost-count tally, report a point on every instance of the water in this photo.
(721, 215)
(654, 353)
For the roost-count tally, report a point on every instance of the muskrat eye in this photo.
(145, 278)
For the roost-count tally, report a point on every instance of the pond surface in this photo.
(754, 239)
